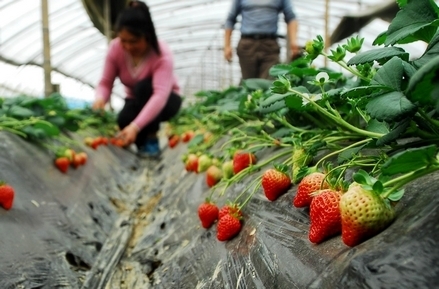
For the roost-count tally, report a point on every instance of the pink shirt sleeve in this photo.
(162, 83)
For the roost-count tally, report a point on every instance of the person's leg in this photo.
(269, 50)
(248, 61)
(127, 114)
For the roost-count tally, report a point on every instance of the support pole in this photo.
(107, 17)
(327, 36)
(47, 67)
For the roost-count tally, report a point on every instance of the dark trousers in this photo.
(142, 93)
(257, 56)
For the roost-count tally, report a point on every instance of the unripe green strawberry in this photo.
(364, 213)
(300, 159)
(204, 162)
(228, 169)
(324, 214)
(213, 175)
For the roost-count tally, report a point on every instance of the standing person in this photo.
(144, 65)
(258, 49)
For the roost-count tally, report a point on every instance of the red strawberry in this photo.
(187, 135)
(275, 183)
(62, 163)
(83, 158)
(95, 143)
(77, 161)
(308, 185)
(6, 196)
(364, 213)
(208, 214)
(229, 209)
(173, 140)
(242, 160)
(191, 163)
(325, 216)
(213, 175)
(228, 227)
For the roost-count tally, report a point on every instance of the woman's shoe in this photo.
(150, 149)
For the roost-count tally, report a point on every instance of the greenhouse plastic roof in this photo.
(193, 29)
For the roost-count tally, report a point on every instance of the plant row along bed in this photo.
(49, 123)
(378, 118)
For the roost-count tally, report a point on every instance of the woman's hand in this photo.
(98, 104)
(129, 133)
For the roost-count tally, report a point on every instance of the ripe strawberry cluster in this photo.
(229, 217)
(68, 157)
(358, 214)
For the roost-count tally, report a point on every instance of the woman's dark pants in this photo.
(142, 93)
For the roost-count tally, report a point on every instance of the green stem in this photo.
(342, 150)
(339, 120)
(400, 181)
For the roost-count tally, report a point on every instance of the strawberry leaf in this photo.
(380, 55)
(416, 18)
(283, 168)
(396, 196)
(394, 133)
(390, 107)
(410, 160)
(378, 187)
(423, 83)
(363, 178)
(431, 52)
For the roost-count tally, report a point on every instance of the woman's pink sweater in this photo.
(118, 63)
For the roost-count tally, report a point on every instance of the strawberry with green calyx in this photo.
(364, 213)
(242, 160)
(204, 162)
(191, 163)
(82, 158)
(227, 168)
(213, 175)
(187, 135)
(275, 181)
(324, 214)
(208, 213)
(309, 184)
(230, 208)
(173, 140)
(7, 195)
(62, 163)
(228, 227)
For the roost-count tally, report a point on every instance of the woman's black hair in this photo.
(137, 20)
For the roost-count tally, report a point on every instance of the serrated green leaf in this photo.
(394, 133)
(273, 103)
(196, 140)
(363, 91)
(379, 54)
(390, 74)
(412, 17)
(390, 106)
(294, 102)
(378, 187)
(430, 53)
(410, 160)
(377, 126)
(423, 83)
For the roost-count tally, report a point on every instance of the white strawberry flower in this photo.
(307, 98)
(322, 75)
